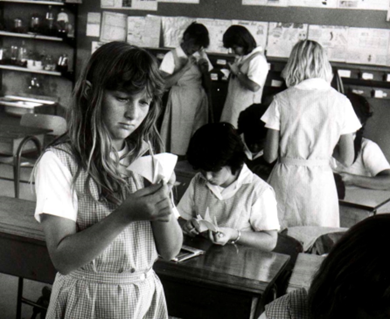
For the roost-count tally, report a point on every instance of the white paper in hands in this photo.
(207, 223)
(164, 165)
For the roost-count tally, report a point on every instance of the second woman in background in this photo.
(248, 73)
(305, 123)
(183, 69)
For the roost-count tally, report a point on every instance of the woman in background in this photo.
(305, 123)
(353, 281)
(185, 70)
(248, 73)
(370, 168)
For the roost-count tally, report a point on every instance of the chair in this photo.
(54, 123)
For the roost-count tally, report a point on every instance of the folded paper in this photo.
(164, 164)
(207, 223)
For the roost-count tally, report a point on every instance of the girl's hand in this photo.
(223, 236)
(347, 178)
(191, 227)
(151, 203)
(234, 68)
(203, 65)
(190, 62)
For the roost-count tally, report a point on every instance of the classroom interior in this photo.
(43, 80)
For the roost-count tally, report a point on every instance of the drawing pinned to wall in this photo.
(334, 39)
(314, 3)
(173, 29)
(114, 27)
(216, 29)
(279, 3)
(144, 31)
(150, 5)
(367, 46)
(93, 24)
(283, 36)
(364, 4)
(259, 30)
(180, 1)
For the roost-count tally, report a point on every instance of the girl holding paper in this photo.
(226, 192)
(103, 228)
(248, 73)
(185, 70)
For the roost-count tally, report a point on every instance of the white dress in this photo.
(310, 118)
(255, 66)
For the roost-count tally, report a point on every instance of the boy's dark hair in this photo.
(199, 33)
(355, 275)
(249, 122)
(363, 112)
(215, 145)
(239, 36)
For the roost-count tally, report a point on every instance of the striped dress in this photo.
(120, 282)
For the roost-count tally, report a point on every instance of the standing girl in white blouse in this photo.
(306, 124)
(248, 73)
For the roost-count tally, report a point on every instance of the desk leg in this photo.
(19, 300)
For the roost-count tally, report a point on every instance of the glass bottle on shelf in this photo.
(49, 64)
(62, 65)
(62, 23)
(50, 30)
(14, 54)
(34, 24)
(22, 55)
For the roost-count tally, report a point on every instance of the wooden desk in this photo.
(360, 203)
(23, 251)
(221, 283)
(304, 270)
(12, 135)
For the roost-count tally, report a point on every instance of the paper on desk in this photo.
(207, 223)
(164, 166)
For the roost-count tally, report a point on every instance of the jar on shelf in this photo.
(18, 25)
(49, 64)
(22, 55)
(62, 64)
(14, 54)
(35, 24)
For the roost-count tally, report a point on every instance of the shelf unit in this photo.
(71, 42)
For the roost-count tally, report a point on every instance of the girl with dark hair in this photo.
(370, 168)
(103, 228)
(185, 70)
(248, 73)
(353, 281)
(307, 123)
(242, 204)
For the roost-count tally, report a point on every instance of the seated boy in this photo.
(241, 203)
(253, 133)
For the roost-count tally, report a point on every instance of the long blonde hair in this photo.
(114, 66)
(307, 60)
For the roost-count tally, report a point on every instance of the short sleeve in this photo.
(258, 70)
(168, 64)
(351, 122)
(53, 189)
(264, 215)
(271, 117)
(373, 158)
(186, 204)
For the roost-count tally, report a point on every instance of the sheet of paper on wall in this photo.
(173, 29)
(95, 45)
(93, 24)
(283, 36)
(114, 27)
(164, 166)
(259, 30)
(180, 1)
(364, 4)
(216, 28)
(150, 5)
(279, 3)
(314, 3)
(108, 3)
(144, 31)
(334, 40)
(367, 46)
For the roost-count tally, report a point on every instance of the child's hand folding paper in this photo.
(207, 223)
(164, 165)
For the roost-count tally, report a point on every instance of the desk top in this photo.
(17, 218)
(232, 266)
(370, 199)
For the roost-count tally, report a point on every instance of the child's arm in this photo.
(172, 79)
(271, 146)
(70, 249)
(380, 181)
(243, 78)
(344, 150)
(264, 240)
